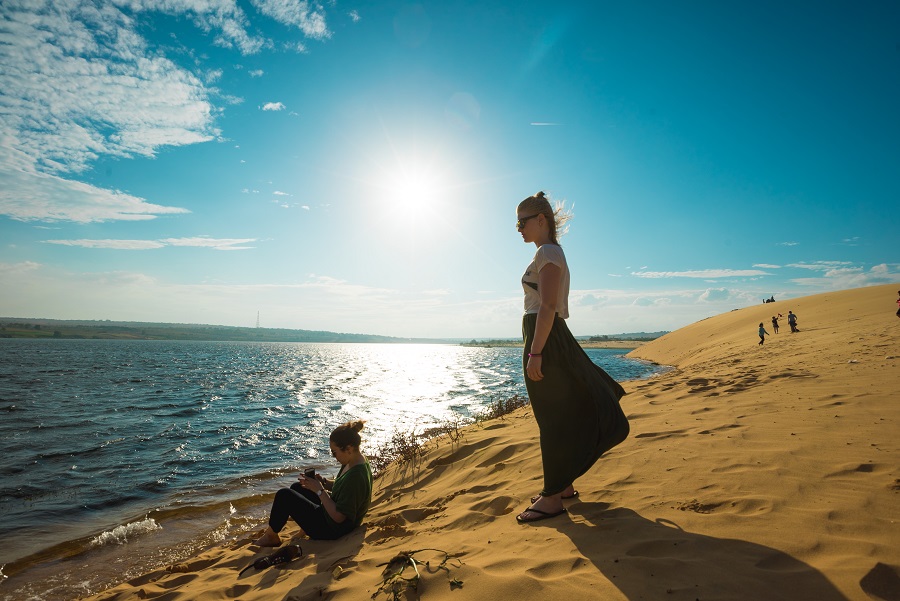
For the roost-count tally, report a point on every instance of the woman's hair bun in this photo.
(539, 194)
(347, 434)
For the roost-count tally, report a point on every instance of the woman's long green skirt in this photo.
(576, 406)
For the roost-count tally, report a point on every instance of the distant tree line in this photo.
(162, 331)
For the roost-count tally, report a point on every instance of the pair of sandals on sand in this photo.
(543, 515)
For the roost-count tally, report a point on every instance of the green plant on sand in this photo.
(407, 446)
(501, 407)
(394, 583)
(402, 447)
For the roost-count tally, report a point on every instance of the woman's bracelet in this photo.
(534, 354)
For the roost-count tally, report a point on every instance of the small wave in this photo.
(119, 535)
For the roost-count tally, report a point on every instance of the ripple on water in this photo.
(136, 425)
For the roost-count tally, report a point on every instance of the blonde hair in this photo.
(347, 435)
(557, 217)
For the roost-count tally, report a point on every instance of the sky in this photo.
(355, 166)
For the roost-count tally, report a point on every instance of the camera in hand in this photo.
(310, 473)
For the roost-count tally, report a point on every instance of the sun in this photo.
(414, 187)
(409, 188)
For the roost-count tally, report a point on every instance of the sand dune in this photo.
(752, 473)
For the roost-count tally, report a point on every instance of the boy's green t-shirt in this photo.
(352, 494)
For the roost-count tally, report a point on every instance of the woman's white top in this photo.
(548, 253)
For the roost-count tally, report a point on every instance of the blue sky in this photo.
(355, 166)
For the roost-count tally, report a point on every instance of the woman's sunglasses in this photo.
(520, 223)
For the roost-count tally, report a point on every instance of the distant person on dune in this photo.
(775, 324)
(322, 515)
(575, 403)
(792, 321)
(762, 333)
(898, 304)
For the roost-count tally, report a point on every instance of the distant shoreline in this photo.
(16, 327)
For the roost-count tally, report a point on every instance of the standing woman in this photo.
(322, 515)
(575, 403)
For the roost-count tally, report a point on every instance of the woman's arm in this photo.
(331, 508)
(326, 483)
(327, 502)
(548, 286)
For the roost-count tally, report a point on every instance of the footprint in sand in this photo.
(697, 507)
(669, 434)
(861, 468)
(495, 507)
(882, 582)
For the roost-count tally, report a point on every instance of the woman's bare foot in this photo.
(269, 538)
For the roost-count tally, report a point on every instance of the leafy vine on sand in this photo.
(394, 583)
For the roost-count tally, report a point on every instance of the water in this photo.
(163, 447)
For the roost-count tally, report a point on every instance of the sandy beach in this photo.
(751, 473)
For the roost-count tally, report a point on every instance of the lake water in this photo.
(119, 456)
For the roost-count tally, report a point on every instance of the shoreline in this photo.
(136, 522)
(771, 476)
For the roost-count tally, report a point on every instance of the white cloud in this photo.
(587, 299)
(787, 244)
(10, 269)
(715, 295)
(111, 244)
(29, 195)
(79, 81)
(821, 265)
(273, 106)
(215, 243)
(279, 193)
(200, 241)
(257, 73)
(701, 273)
(842, 277)
(643, 301)
(326, 303)
(297, 13)
(354, 16)
(767, 266)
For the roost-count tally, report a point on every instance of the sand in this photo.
(752, 473)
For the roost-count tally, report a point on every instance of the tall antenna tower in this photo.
(257, 320)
